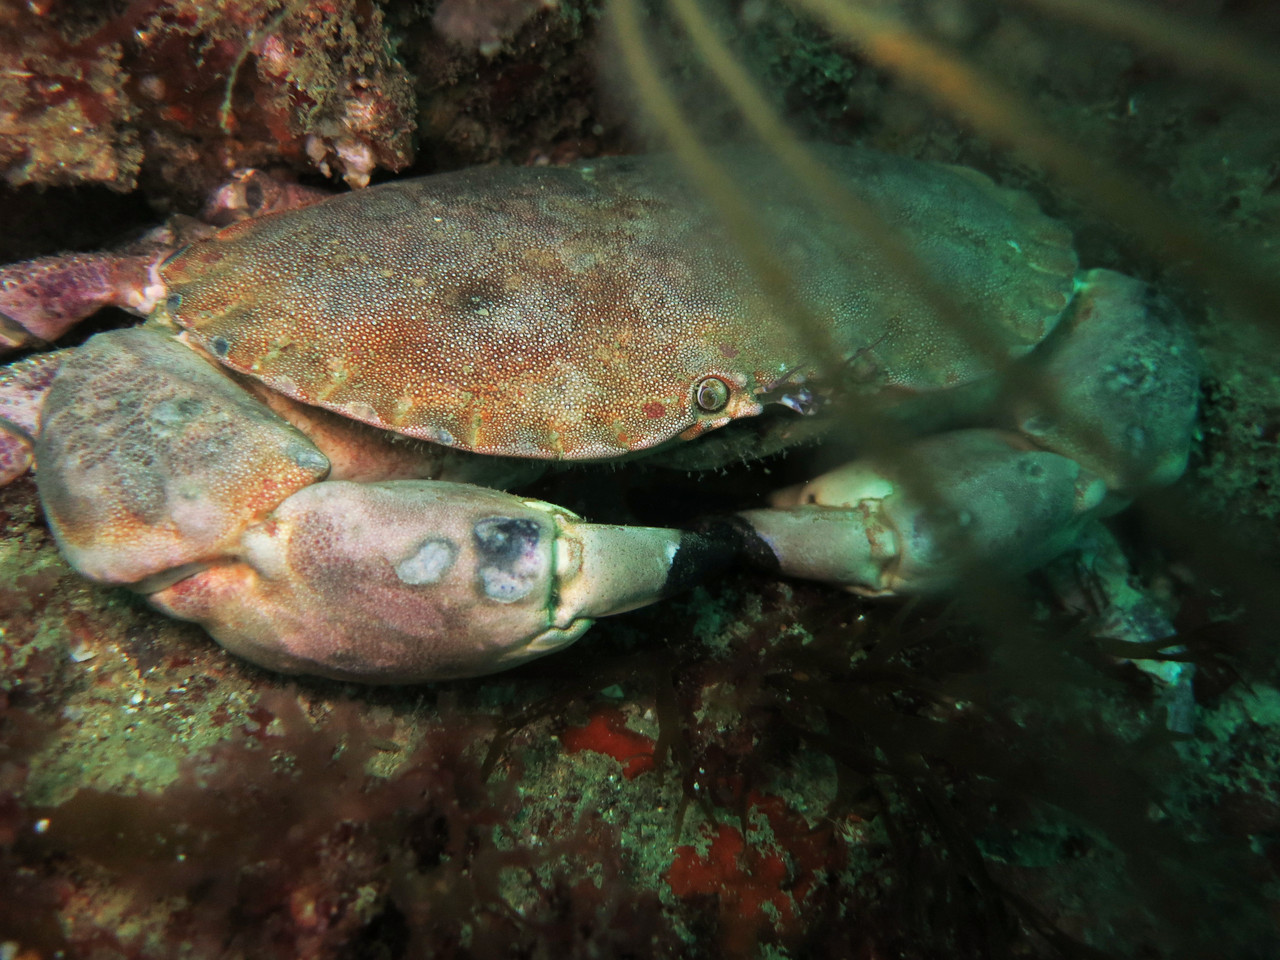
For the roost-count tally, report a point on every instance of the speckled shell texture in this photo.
(571, 313)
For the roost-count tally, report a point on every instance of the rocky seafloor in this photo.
(759, 768)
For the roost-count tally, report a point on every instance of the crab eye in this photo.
(711, 394)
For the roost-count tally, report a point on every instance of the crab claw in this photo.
(158, 472)
(965, 503)
(411, 580)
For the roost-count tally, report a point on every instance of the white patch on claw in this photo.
(429, 563)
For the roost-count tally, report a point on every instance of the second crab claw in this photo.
(933, 514)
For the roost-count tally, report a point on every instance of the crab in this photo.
(306, 447)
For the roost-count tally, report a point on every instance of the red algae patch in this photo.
(744, 879)
(607, 733)
(758, 884)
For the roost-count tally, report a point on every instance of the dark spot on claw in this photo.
(512, 565)
(173, 303)
(220, 346)
(505, 539)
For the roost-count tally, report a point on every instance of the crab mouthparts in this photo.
(797, 397)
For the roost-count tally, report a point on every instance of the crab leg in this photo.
(42, 299)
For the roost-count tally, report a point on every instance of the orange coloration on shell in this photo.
(569, 313)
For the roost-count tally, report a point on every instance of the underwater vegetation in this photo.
(756, 769)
